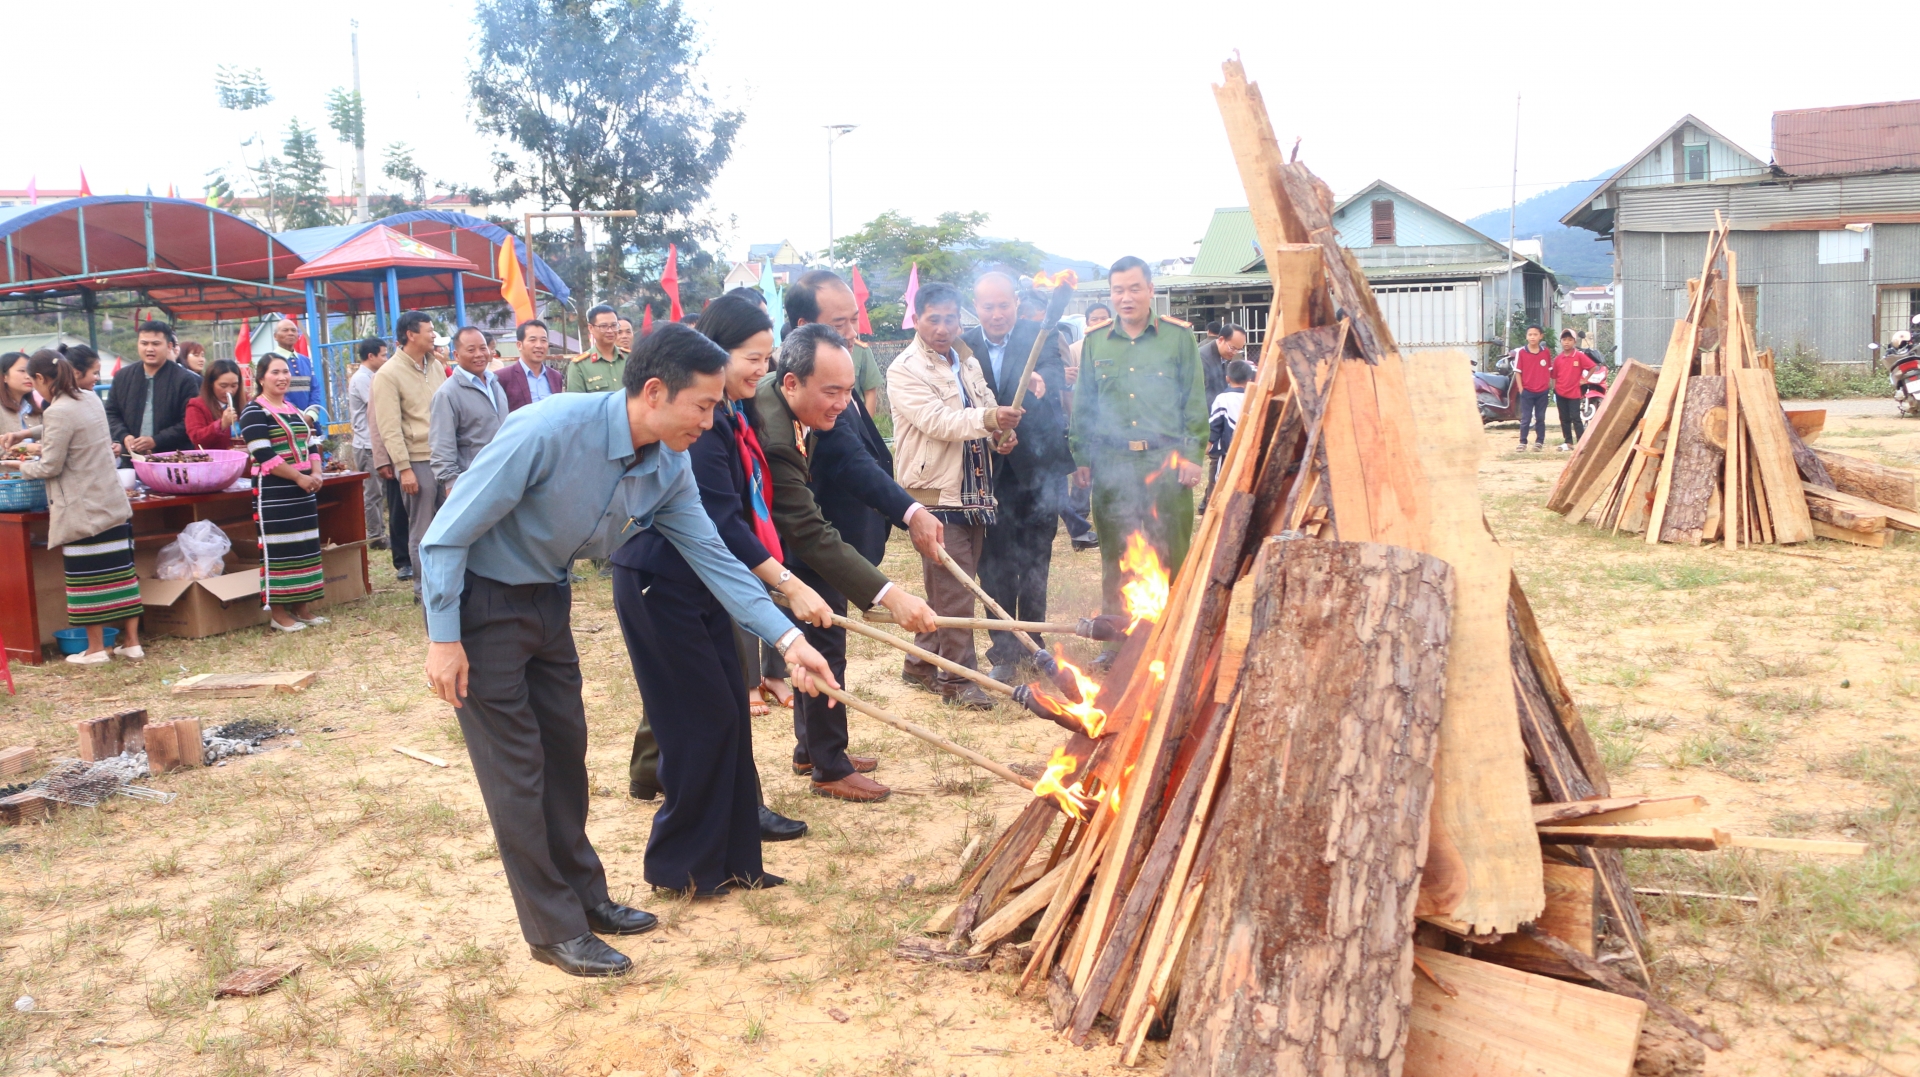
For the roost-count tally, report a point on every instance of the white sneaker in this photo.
(96, 658)
(135, 651)
(294, 627)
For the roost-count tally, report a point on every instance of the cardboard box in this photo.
(193, 609)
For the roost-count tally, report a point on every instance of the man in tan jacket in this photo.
(402, 397)
(945, 423)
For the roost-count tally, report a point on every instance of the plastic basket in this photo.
(23, 495)
(216, 473)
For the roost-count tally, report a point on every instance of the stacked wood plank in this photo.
(1701, 451)
(1340, 817)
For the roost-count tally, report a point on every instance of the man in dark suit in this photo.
(833, 505)
(530, 379)
(820, 297)
(1228, 342)
(1028, 480)
(147, 407)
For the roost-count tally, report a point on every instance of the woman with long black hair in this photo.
(706, 838)
(18, 409)
(89, 516)
(286, 460)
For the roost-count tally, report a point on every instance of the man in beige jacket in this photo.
(402, 398)
(945, 423)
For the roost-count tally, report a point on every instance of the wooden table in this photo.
(33, 600)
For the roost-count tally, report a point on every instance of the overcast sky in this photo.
(1089, 129)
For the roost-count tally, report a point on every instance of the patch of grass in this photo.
(1680, 577)
(1786, 701)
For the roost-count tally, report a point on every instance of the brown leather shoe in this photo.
(927, 682)
(862, 764)
(854, 787)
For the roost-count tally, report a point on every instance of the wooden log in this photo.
(1807, 423)
(1603, 483)
(192, 746)
(1894, 487)
(1543, 681)
(1480, 796)
(1566, 774)
(18, 759)
(1612, 427)
(1805, 461)
(1840, 517)
(1613, 981)
(163, 750)
(1612, 811)
(25, 807)
(1767, 426)
(1568, 917)
(1697, 465)
(1020, 840)
(1342, 703)
(1695, 837)
(243, 685)
(1014, 913)
(1872, 539)
(1897, 518)
(1508, 1023)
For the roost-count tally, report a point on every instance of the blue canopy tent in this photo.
(466, 237)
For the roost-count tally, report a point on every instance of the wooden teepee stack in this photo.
(1701, 450)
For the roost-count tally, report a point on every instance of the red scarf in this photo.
(759, 482)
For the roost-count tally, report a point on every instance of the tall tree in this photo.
(950, 249)
(300, 185)
(600, 101)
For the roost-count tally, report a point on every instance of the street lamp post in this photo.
(834, 131)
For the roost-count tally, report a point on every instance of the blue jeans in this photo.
(1533, 410)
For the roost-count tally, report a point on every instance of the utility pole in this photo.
(360, 213)
(1513, 205)
(834, 131)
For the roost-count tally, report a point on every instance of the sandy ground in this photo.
(1778, 683)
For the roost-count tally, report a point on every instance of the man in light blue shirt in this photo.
(573, 476)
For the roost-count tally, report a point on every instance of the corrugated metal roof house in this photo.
(1439, 282)
(1828, 235)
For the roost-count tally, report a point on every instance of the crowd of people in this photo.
(711, 469)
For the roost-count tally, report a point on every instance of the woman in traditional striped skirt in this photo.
(89, 516)
(286, 476)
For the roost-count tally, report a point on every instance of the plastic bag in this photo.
(199, 553)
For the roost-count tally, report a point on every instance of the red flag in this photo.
(85, 191)
(300, 347)
(646, 319)
(243, 347)
(860, 294)
(670, 283)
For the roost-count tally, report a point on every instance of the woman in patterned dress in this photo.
(89, 515)
(286, 476)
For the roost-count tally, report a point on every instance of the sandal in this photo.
(757, 709)
(772, 695)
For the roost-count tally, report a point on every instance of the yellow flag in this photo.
(513, 285)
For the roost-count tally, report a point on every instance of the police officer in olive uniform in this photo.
(1139, 427)
(599, 370)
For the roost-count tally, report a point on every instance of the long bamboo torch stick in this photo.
(1067, 682)
(924, 655)
(998, 770)
(1105, 628)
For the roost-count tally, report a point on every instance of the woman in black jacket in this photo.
(706, 838)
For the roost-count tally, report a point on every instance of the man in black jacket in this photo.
(1019, 547)
(820, 297)
(147, 407)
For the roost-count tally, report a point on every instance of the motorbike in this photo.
(1498, 393)
(1903, 370)
(1593, 389)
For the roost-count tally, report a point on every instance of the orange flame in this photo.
(1072, 799)
(1171, 463)
(1146, 591)
(1091, 718)
(1041, 281)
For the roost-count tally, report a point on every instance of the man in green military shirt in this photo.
(1139, 427)
(600, 370)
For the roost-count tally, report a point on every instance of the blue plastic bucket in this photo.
(74, 640)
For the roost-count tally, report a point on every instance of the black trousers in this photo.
(820, 724)
(526, 733)
(1533, 412)
(1014, 562)
(1572, 429)
(397, 524)
(680, 640)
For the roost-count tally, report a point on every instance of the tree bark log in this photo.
(1303, 961)
(1894, 487)
(1696, 470)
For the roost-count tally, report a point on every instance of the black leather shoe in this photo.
(777, 827)
(642, 791)
(1005, 672)
(970, 696)
(585, 955)
(1088, 541)
(611, 918)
